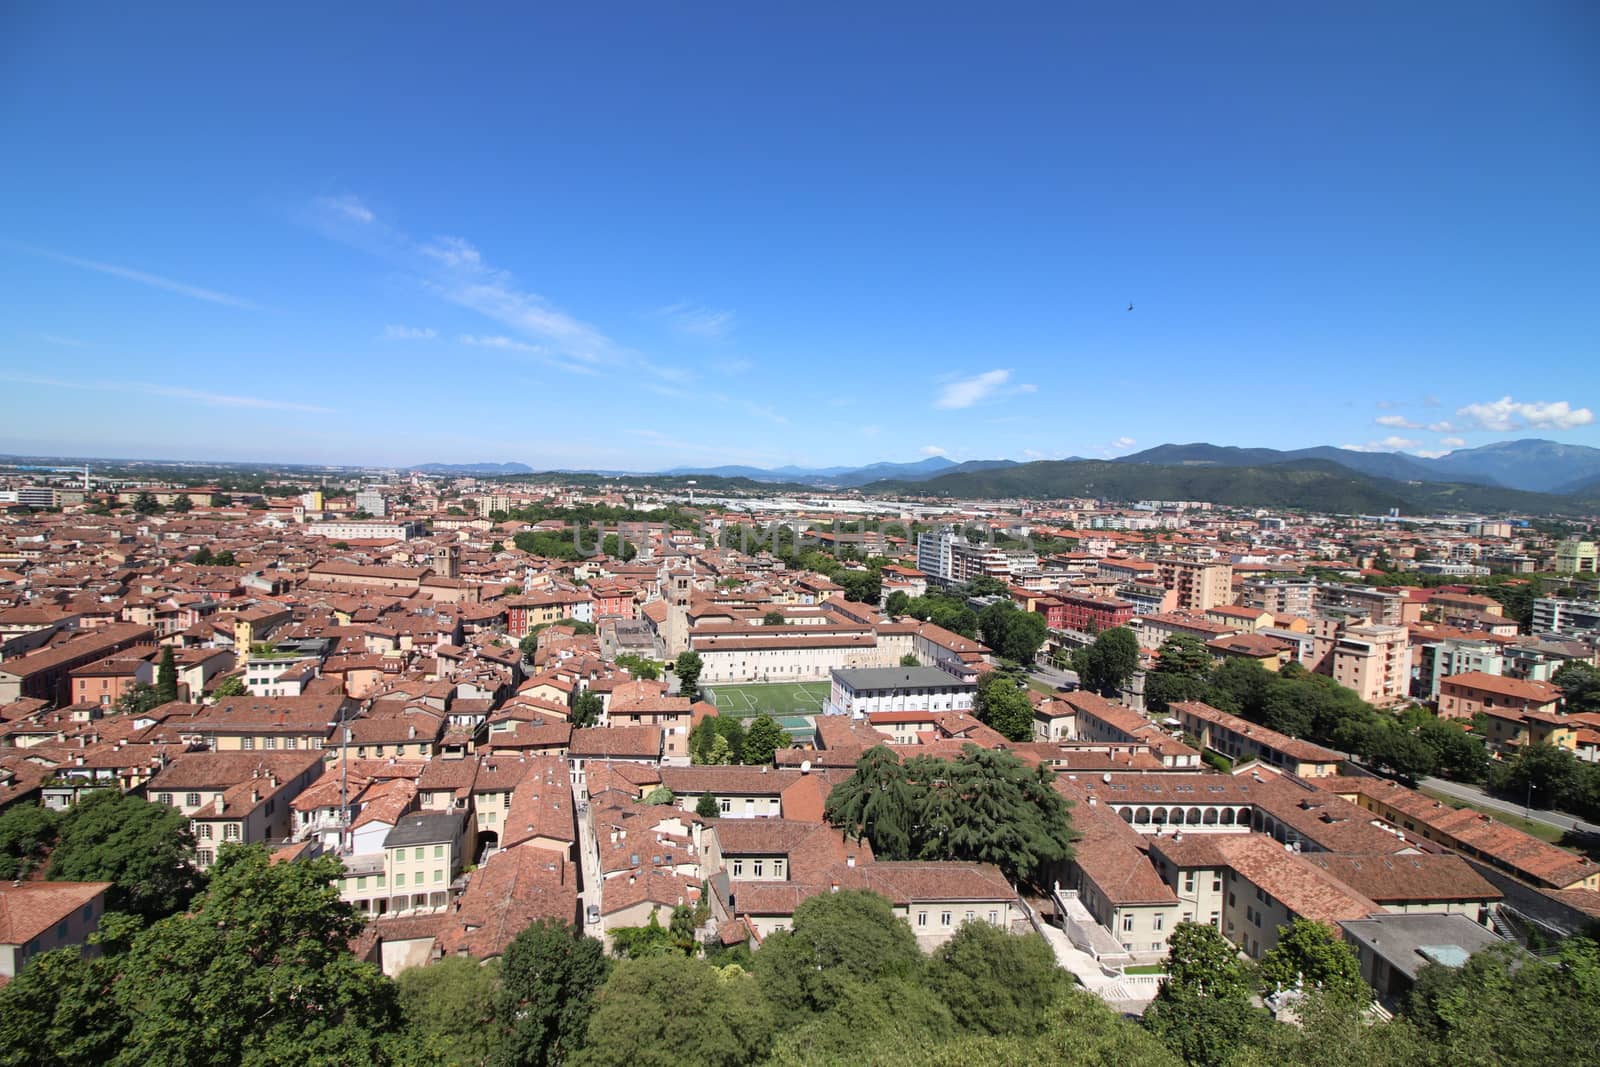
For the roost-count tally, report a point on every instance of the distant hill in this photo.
(846, 477)
(1532, 464)
(1313, 484)
(473, 468)
(1394, 465)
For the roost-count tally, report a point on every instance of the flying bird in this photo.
(1130, 307)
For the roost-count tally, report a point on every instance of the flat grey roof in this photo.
(859, 678)
(1411, 942)
(434, 828)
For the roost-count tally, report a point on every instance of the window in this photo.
(994, 918)
(418, 852)
(190, 800)
(230, 832)
(759, 868)
(361, 882)
(166, 798)
(1127, 924)
(400, 878)
(204, 856)
(248, 744)
(1231, 901)
(1158, 922)
(1188, 881)
(382, 878)
(203, 831)
(922, 918)
(727, 805)
(438, 874)
(270, 742)
(291, 742)
(1216, 884)
(738, 868)
(492, 817)
(969, 916)
(944, 918)
(438, 852)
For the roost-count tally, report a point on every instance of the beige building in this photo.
(1200, 585)
(39, 917)
(1375, 662)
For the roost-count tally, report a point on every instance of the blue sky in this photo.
(691, 234)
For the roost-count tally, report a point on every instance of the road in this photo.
(1472, 794)
(1052, 677)
(588, 861)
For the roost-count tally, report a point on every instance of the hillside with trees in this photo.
(1316, 485)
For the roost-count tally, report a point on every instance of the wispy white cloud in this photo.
(409, 333)
(1398, 422)
(1443, 427)
(538, 352)
(764, 411)
(154, 281)
(1453, 442)
(219, 400)
(1392, 443)
(1120, 444)
(1507, 414)
(872, 429)
(498, 341)
(349, 207)
(1431, 453)
(965, 392)
(696, 320)
(932, 450)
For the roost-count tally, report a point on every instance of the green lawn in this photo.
(1528, 826)
(781, 698)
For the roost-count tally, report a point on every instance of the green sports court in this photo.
(776, 699)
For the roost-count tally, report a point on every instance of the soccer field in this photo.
(782, 698)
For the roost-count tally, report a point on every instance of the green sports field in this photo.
(781, 698)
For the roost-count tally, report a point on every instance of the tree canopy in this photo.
(1108, 664)
(146, 849)
(985, 806)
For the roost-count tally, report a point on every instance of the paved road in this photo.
(1473, 794)
(1052, 677)
(588, 862)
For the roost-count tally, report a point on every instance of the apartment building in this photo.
(1557, 615)
(1465, 695)
(1201, 585)
(1383, 606)
(1576, 557)
(1082, 613)
(1375, 662)
(1280, 597)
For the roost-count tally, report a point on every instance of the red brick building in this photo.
(1087, 614)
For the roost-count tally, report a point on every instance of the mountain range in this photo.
(1531, 464)
(1310, 484)
(1529, 475)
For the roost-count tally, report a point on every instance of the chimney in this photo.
(850, 860)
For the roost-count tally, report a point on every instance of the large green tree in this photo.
(26, 833)
(1003, 704)
(260, 971)
(995, 982)
(167, 674)
(688, 667)
(985, 806)
(762, 738)
(1204, 1011)
(1309, 955)
(449, 1011)
(586, 709)
(145, 849)
(1182, 672)
(1108, 664)
(669, 1010)
(850, 936)
(549, 976)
